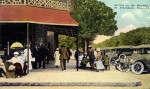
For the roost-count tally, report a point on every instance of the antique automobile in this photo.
(138, 62)
(140, 59)
(106, 51)
(109, 51)
(117, 51)
(123, 63)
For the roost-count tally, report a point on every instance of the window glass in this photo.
(139, 51)
(135, 52)
(148, 50)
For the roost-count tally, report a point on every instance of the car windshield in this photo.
(137, 51)
(142, 51)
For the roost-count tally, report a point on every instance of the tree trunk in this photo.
(86, 46)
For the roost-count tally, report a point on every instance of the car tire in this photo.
(137, 67)
(124, 69)
(117, 66)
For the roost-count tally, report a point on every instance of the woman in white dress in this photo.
(99, 64)
(57, 56)
(30, 57)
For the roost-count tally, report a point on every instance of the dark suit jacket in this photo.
(63, 54)
(91, 54)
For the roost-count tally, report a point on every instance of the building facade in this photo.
(46, 18)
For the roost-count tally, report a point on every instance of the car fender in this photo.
(145, 66)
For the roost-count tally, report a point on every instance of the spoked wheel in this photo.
(137, 67)
(112, 61)
(124, 67)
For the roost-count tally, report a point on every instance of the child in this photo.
(106, 62)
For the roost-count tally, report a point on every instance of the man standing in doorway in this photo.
(42, 54)
(63, 57)
(35, 55)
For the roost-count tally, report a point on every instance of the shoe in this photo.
(62, 69)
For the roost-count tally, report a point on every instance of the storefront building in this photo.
(35, 21)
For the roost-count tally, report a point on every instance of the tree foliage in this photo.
(94, 18)
(67, 41)
(135, 37)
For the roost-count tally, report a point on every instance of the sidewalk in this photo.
(71, 77)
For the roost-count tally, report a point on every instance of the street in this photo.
(110, 76)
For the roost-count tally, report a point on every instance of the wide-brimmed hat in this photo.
(90, 46)
(98, 49)
(16, 53)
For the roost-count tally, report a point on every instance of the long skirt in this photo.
(99, 65)
(19, 70)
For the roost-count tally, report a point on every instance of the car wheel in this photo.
(112, 61)
(117, 66)
(124, 67)
(137, 67)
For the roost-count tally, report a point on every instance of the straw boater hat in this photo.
(16, 53)
(90, 46)
(98, 49)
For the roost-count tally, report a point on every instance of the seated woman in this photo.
(19, 63)
(2, 67)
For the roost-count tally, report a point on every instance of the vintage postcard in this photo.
(74, 44)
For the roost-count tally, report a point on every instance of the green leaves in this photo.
(67, 41)
(95, 18)
(135, 37)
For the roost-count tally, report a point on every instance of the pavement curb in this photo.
(130, 84)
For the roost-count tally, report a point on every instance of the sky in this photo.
(128, 19)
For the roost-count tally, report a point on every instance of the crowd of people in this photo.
(37, 59)
(20, 61)
(93, 59)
